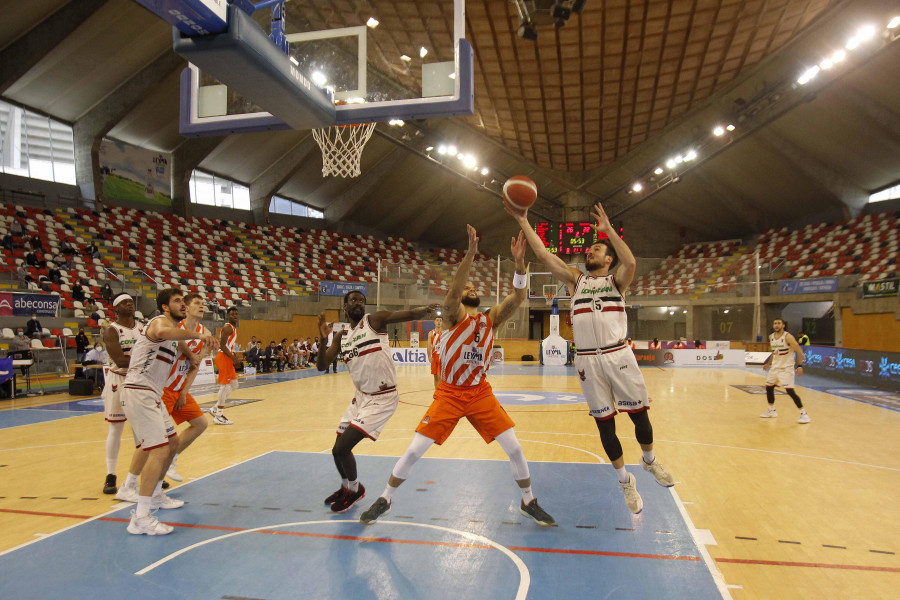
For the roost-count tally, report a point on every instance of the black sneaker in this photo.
(379, 509)
(540, 516)
(333, 498)
(348, 499)
(110, 486)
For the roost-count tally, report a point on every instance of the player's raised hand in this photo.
(517, 247)
(473, 239)
(603, 223)
(515, 212)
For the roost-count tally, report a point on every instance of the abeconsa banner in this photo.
(25, 305)
(878, 369)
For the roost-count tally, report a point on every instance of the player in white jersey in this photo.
(119, 338)
(610, 377)
(152, 358)
(781, 367)
(365, 351)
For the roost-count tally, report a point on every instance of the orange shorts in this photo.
(188, 412)
(476, 403)
(435, 366)
(225, 365)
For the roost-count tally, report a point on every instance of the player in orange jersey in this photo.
(434, 340)
(226, 363)
(465, 356)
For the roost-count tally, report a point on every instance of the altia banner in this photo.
(410, 356)
(25, 305)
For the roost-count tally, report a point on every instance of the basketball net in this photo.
(342, 147)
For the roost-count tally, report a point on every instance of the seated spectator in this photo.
(90, 307)
(78, 292)
(16, 228)
(630, 343)
(31, 259)
(35, 242)
(97, 356)
(281, 354)
(33, 328)
(8, 242)
(106, 292)
(254, 354)
(272, 358)
(314, 350)
(679, 345)
(654, 345)
(699, 345)
(92, 250)
(20, 347)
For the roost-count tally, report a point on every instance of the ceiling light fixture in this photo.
(658, 170)
(423, 51)
(729, 127)
(894, 23)
(719, 130)
(637, 187)
(405, 58)
(372, 22)
(429, 148)
(808, 75)
(396, 122)
(670, 164)
(484, 170)
(451, 149)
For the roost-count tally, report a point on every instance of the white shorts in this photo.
(112, 397)
(612, 382)
(370, 413)
(150, 422)
(782, 376)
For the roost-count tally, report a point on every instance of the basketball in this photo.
(520, 191)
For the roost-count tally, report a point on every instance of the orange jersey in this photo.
(178, 374)
(465, 351)
(435, 346)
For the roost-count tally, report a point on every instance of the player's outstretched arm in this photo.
(453, 310)
(627, 262)
(382, 318)
(505, 309)
(554, 264)
(325, 357)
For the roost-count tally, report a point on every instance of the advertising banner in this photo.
(878, 369)
(24, 305)
(880, 289)
(690, 358)
(135, 174)
(410, 356)
(339, 288)
(497, 356)
(554, 350)
(206, 374)
(413, 339)
(808, 286)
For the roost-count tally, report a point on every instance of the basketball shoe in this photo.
(348, 499)
(770, 413)
(540, 516)
(162, 500)
(109, 487)
(379, 509)
(127, 494)
(632, 498)
(333, 498)
(148, 525)
(804, 418)
(172, 473)
(662, 476)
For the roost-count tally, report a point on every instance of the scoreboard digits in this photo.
(568, 238)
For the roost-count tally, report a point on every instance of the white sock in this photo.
(113, 442)
(353, 486)
(174, 460)
(143, 506)
(158, 489)
(623, 475)
(345, 483)
(131, 481)
(527, 495)
(388, 492)
(648, 457)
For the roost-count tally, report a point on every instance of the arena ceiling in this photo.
(586, 110)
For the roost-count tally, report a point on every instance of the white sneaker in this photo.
(148, 525)
(127, 494)
(662, 476)
(162, 500)
(632, 498)
(173, 474)
(770, 413)
(804, 418)
(220, 419)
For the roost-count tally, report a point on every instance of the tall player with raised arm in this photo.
(366, 352)
(610, 377)
(465, 356)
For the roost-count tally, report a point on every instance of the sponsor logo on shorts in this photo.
(600, 412)
(630, 403)
(115, 387)
(581, 374)
(623, 367)
(426, 420)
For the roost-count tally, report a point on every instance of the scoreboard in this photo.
(568, 238)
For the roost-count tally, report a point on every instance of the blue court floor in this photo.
(260, 530)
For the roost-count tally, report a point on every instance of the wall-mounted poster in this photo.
(135, 174)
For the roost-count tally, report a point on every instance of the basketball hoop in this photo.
(549, 298)
(342, 147)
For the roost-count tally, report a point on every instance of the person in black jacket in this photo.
(81, 345)
(33, 329)
(254, 355)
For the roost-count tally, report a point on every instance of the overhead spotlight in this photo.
(396, 122)
(684, 312)
(429, 148)
(838, 56)
(866, 33)
(405, 58)
(729, 127)
(527, 31)
(423, 51)
(294, 60)
(852, 43)
(826, 64)
(319, 78)
(678, 159)
(808, 75)
(637, 187)
(451, 149)
(725, 311)
(442, 149)
(691, 155)
(469, 161)
(671, 312)
(670, 164)
(484, 170)
(719, 130)
(461, 156)
(894, 23)
(372, 22)
(658, 170)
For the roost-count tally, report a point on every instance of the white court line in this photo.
(117, 507)
(717, 576)
(524, 575)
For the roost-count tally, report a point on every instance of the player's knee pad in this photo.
(643, 430)
(611, 444)
(770, 394)
(794, 397)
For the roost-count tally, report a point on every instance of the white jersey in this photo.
(367, 356)
(151, 361)
(782, 355)
(127, 337)
(598, 313)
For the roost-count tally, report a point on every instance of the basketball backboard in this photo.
(542, 284)
(348, 61)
